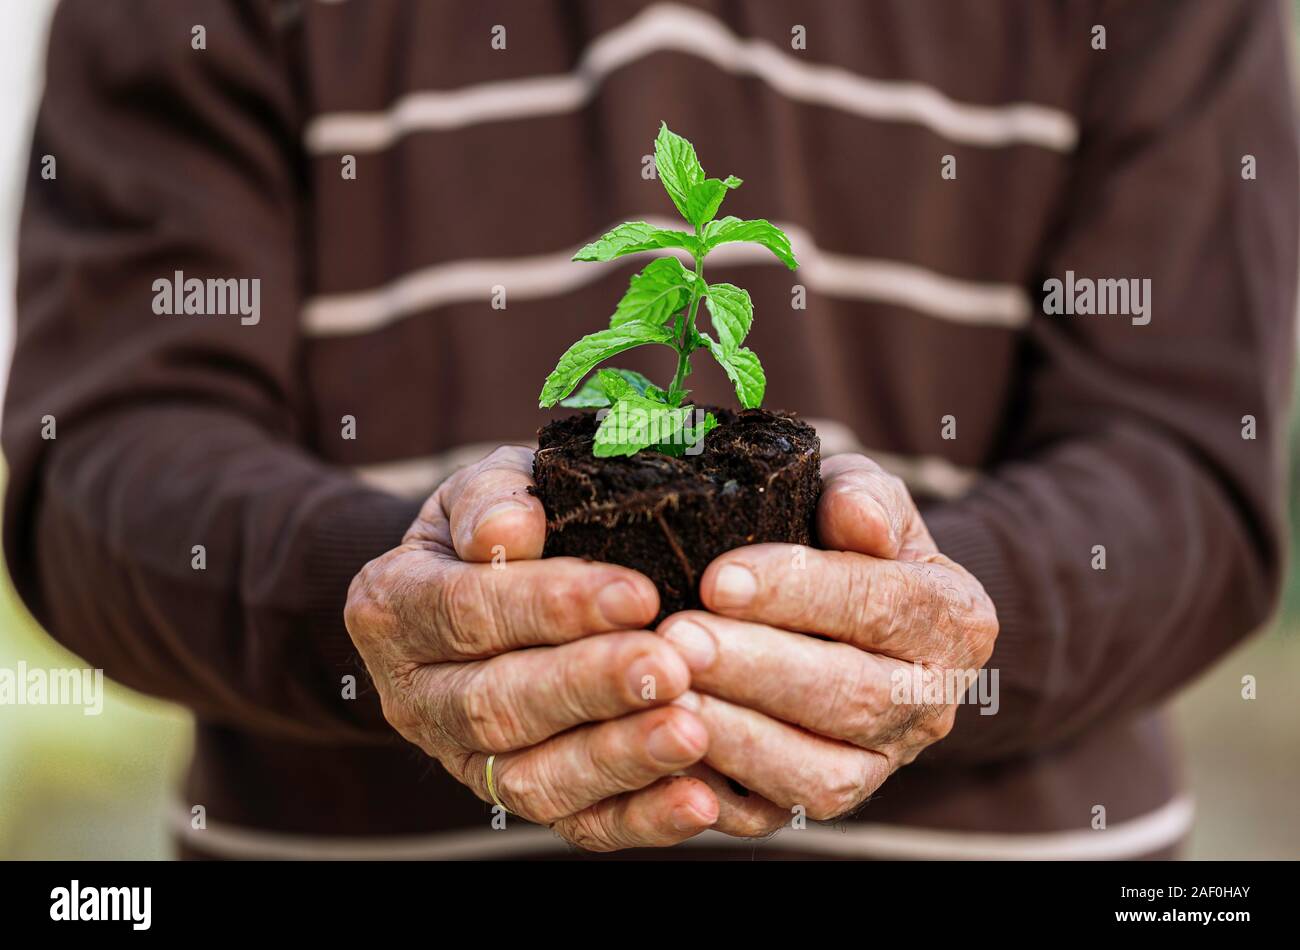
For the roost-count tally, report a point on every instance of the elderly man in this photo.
(285, 519)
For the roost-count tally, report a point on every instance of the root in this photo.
(623, 508)
(677, 550)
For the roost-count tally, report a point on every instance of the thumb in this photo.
(866, 510)
(491, 512)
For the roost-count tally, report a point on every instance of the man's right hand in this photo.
(584, 736)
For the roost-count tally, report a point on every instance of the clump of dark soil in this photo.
(757, 480)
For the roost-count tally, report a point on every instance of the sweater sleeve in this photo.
(162, 517)
(1132, 529)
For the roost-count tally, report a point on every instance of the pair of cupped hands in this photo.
(731, 718)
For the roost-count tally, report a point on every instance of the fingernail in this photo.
(694, 643)
(621, 604)
(648, 668)
(677, 741)
(686, 817)
(499, 509)
(735, 586)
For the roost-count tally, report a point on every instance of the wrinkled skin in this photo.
(617, 737)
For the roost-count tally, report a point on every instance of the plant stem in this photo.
(684, 346)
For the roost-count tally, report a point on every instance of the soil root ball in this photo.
(757, 480)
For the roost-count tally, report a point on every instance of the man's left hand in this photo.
(812, 722)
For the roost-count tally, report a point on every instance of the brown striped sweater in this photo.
(1168, 155)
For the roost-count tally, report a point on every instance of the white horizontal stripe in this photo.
(231, 841)
(668, 27)
(1131, 839)
(978, 303)
(418, 477)
(925, 475)
(1150, 833)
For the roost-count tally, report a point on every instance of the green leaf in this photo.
(655, 294)
(704, 199)
(732, 312)
(697, 198)
(590, 396)
(744, 370)
(633, 237)
(694, 340)
(708, 425)
(579, 359)
(691, 436)
(729, 230)
(594, 394)
(678, 169)
(635, 423)
(672, 397)
(616, 385)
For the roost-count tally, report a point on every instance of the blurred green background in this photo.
(76, 786)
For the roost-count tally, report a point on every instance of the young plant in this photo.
(659, 308)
